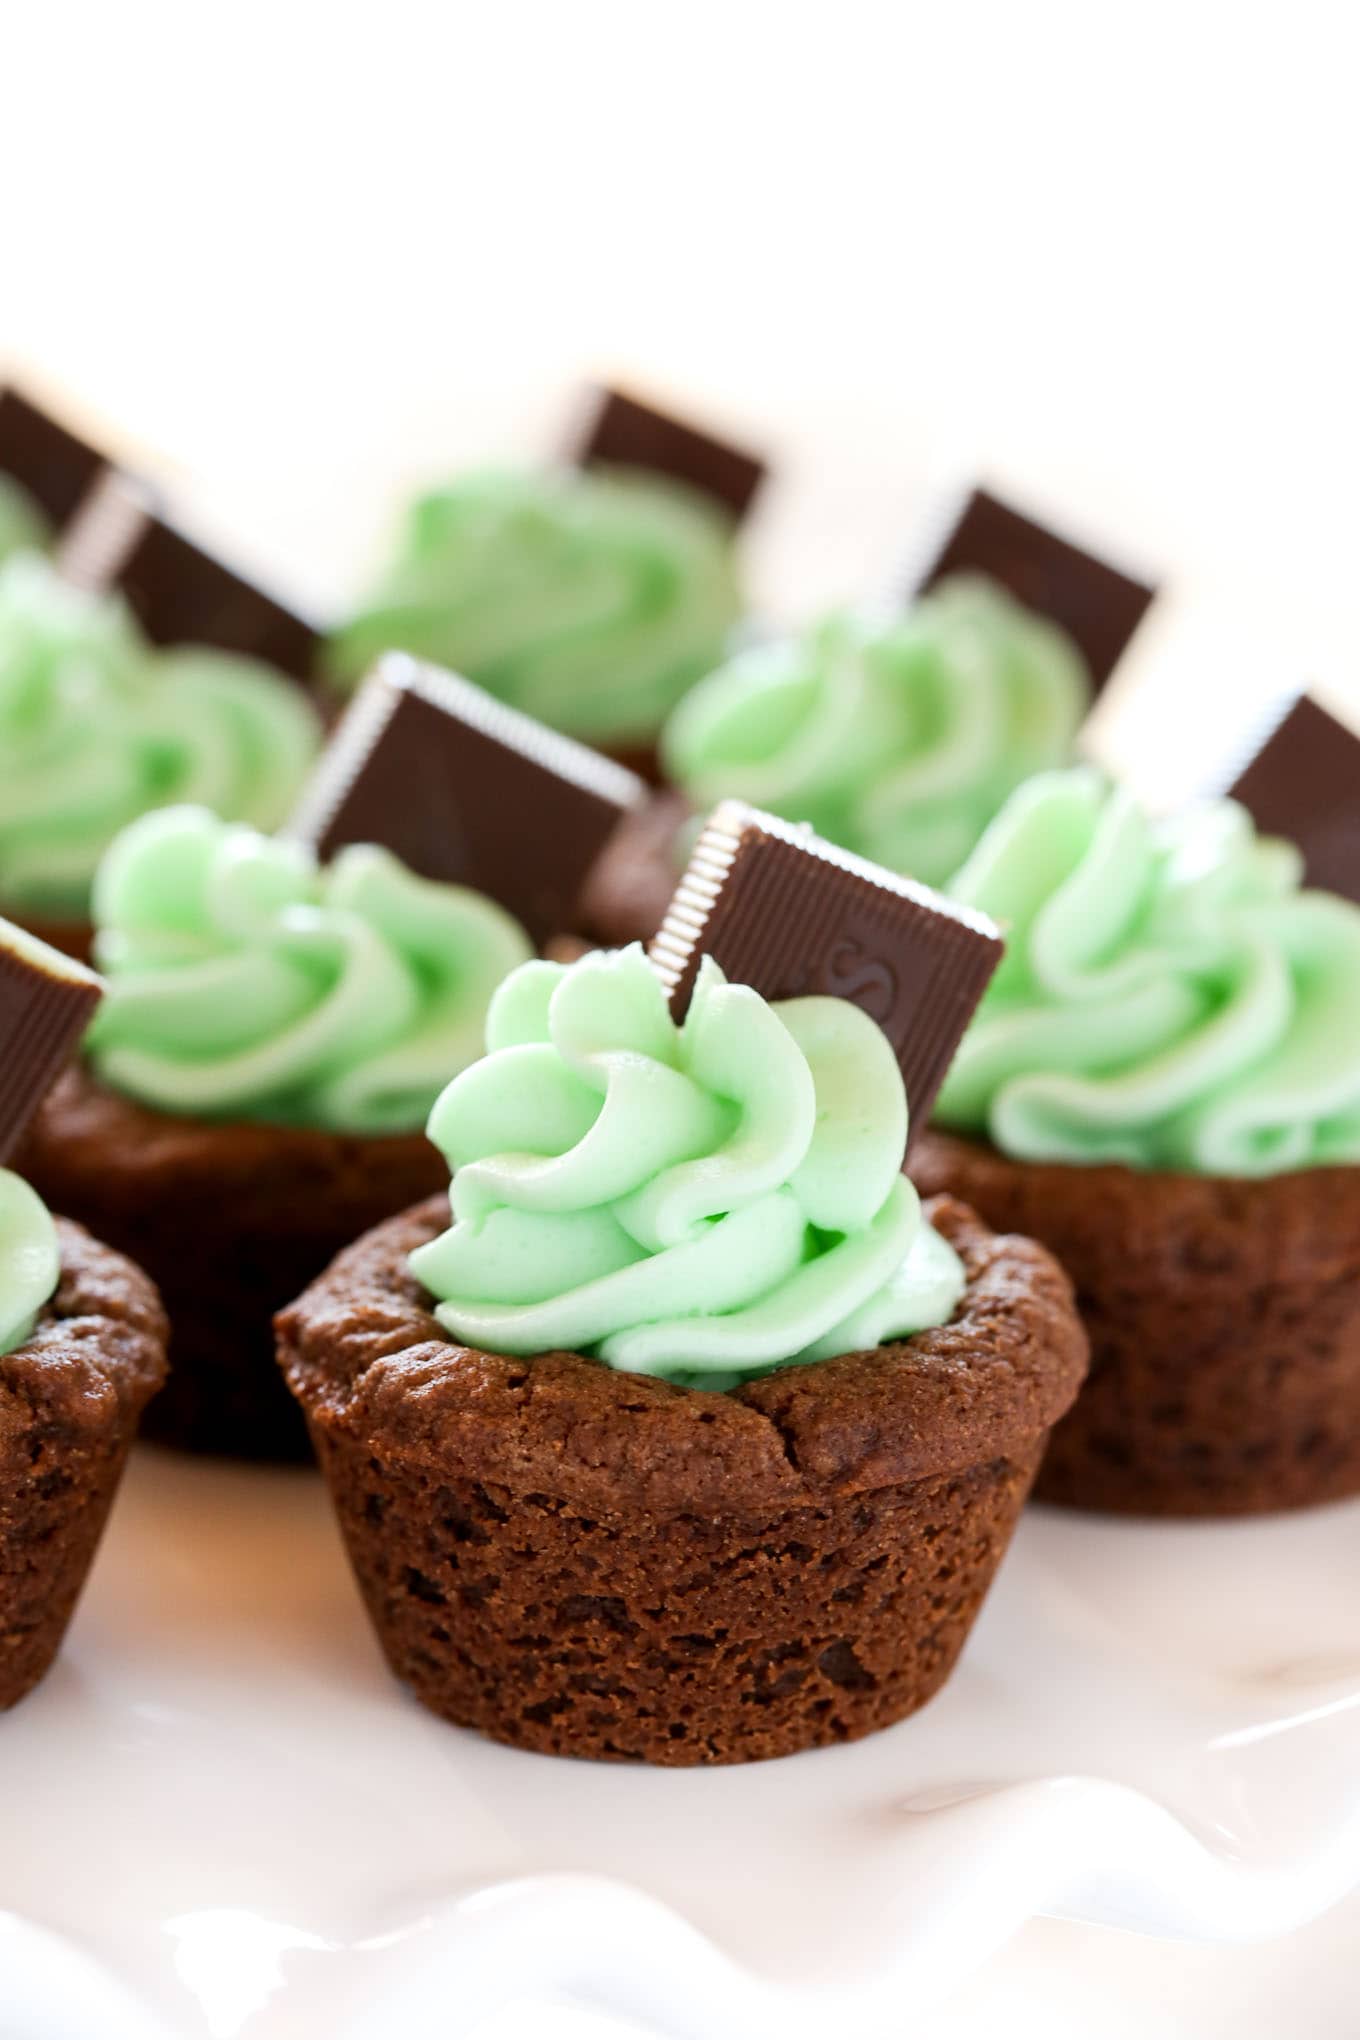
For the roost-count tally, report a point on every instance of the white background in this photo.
(294, 258)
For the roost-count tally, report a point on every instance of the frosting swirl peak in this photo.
(897, 737)
(95, 728)
(1168, 997)
(591, 600)
(245, 980)
(701, 1202)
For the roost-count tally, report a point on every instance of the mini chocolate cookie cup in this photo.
(230, 1220)
(1224, 1317)
(596, 1564)
(70, 1399)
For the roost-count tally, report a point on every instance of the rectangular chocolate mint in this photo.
(625, 433)
(1095, 603)
(1304, 783)
(51, 463)
(789, 914)
(46, 1002)
(464, 789)
(182, 595)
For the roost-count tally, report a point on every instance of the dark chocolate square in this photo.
(1096, 604)
(466, 790)
(182, 595)
(1304, 783)
(55, 466)
(789, 914)
(46, 1003)
(625, 433)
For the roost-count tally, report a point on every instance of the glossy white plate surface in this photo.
(222, 1819)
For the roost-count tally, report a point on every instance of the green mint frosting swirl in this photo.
(96, 728)
(22, 523)
(591, 600)
(245, 980)
(898, 737)
(29, 1259)
(701, 1202)
(1168, 997)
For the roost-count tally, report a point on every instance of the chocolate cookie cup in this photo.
(70, 1398)
(230, 1219)
(592, 1563)
(1224, 1318)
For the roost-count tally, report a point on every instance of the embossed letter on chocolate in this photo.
(1304, 783)
(625, 433)
(789, 914)
(46, 1002)
(1095, 603)
(466, 790)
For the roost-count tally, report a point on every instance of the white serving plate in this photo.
(222, 1819)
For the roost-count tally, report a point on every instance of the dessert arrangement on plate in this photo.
(690, 1126)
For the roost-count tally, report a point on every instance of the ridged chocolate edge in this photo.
(748, 872)
(51, 1004)
(361, 730)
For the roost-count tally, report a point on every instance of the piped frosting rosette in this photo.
(30, 1260)
(245, 980)
(1168, 998)
(897, 736)
(95, 728)
(701, 1202)
(589, 600)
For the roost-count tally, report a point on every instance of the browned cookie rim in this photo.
(97, 1352)
(362, 1352)
(1308, 1218)
(139, 1141)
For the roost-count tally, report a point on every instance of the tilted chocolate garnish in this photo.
(54, 466)
(625, 433)
(46, 1002)
(789, 914)
(1304, 783)
(466, 790)
(1095, 603)
(182, 595)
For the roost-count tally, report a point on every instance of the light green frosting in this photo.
(96, 728)
(243, 980)
(30, 1261)
(897, 736)
(701, 1202)
(22, 523)
(1168, 996)
(590, 600)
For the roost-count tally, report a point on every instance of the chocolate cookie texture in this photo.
(231, 1219)
(587, 1562)
(70, 1399)
(1224, 1318)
